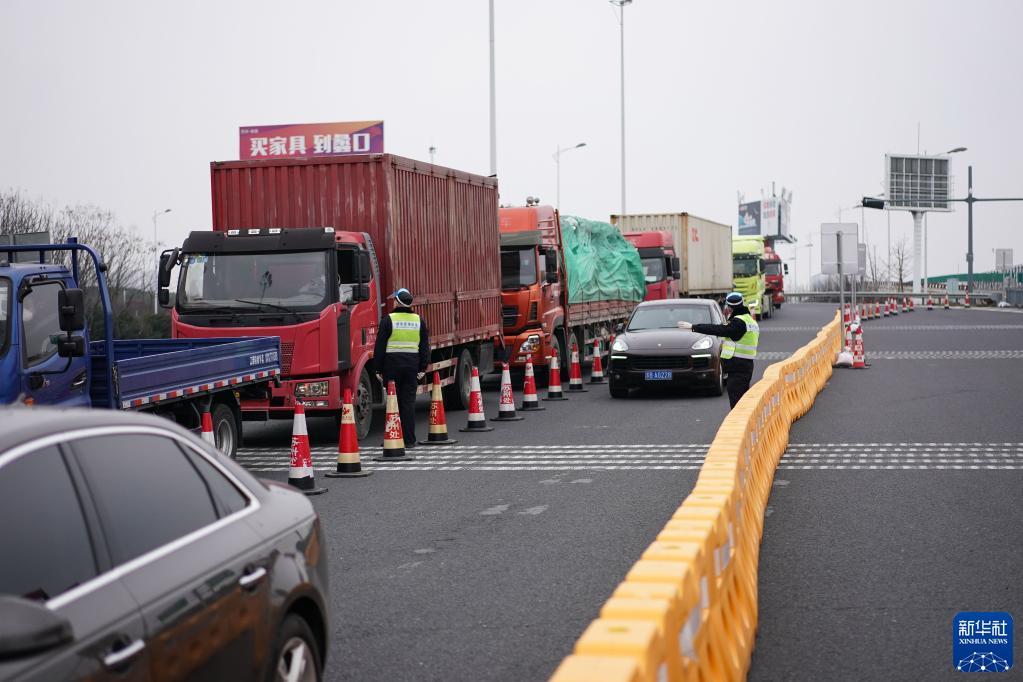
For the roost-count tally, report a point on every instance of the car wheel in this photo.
(225, 429)
(617, 391)
(296, 657)
(456, 396)
(719, 384)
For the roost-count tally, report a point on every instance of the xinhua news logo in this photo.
(982, 642)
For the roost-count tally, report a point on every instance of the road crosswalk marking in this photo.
(662, 457)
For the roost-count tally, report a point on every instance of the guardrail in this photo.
(687, 610)
(956, 299)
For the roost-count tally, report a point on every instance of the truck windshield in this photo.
(5, 312)
(653, 269)
(744, 267)
(668, 316)
(518, 268)
(772, 267)
(293, 281)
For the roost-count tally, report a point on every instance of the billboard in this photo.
(768, 217)
(917, 183)
(749, 218)
(310, 140)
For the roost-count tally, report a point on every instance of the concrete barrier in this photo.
(687, 610)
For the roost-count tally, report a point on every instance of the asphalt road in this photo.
(487, 560)
(897, 505)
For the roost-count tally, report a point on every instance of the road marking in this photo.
(534, 511)
(918, 355)
(493, 511)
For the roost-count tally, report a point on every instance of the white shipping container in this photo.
(703, 246)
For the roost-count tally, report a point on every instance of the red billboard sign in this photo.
(310, 139)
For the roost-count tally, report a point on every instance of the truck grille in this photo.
(658, 362)
(510, 315)
(287, 350)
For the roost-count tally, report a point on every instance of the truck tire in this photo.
(225, 429)
(363, 407)
(456, 396)
(566, 354)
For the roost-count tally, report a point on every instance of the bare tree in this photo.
(898, 267)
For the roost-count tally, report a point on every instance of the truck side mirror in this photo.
(551, 277)
(71, 306)
(168, 259)
(360, 292)
(785, 268)
(163, 296)
(676, 267)
(363, 268)
(71, 347)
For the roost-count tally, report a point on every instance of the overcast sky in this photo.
(124, 104)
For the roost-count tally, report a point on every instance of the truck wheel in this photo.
(363, 406)
(456, 396)
(225, 429)
(566, 354)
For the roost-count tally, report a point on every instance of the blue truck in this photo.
(46, 357)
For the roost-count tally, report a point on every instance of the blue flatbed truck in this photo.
(46, 357)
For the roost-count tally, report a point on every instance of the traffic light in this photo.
(871, 202)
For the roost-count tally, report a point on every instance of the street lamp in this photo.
(156, 253)
(621, 24)
(493, 99)
(557, 164)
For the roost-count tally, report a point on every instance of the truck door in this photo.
(48, 378)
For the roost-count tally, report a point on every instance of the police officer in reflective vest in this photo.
(739, 347)
(401, 354)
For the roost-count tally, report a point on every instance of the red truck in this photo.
(661, 264)
(774, 275)
(539, 319)
(309, 250)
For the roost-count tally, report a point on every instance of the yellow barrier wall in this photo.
(687, 609)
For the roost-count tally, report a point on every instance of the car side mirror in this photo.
(29, 627)
(360, 292)
(619, 328)
(71, 306)
(71, 347)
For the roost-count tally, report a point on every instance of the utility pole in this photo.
(493, 98)
(621, 24)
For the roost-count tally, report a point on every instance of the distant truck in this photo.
(661, 265)
(703, 247)
(774, 275)
(310, 250)
(748, 274)
(539, 319)
(46, 357)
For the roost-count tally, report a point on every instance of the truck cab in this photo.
(774, 275)
(661, 265)
(748, 276)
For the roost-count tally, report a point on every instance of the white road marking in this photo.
(493, 511)
(534, 511)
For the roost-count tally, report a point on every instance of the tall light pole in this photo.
(156, 253)
(493, 98)
(621, 24)
(557, 165)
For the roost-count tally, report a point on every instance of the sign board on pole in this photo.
(829, 248)
(861, 269)
(917, 183)
(1003, 260)
(310, 140)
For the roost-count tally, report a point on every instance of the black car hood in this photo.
(661, 339)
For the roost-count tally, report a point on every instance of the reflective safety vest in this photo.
(746, 347)
(404, 333)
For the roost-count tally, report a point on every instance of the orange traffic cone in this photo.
(967, 304)
(554, 391)
(506, 409)
(575, 372)
(905, 305)
(845, 314)
(597, 372)
(438, 420)
(530, 401)
(946, 302)
(912, 304)
(477, 420)
(301, 474)
(930, 302)
(885, 311)
(207, 428)
(394, 439)
(348, 463)
(859, 362)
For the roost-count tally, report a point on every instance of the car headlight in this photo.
(703, 343)
(619, 345)
(312, 388)
(530, 344)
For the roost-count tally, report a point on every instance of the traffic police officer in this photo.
(739, 348)
(401, 355)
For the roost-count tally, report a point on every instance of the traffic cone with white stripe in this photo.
(877, 310)
(506, 408)
(575, 373)
(967, 304)
(886, 310)
(859, 362)
(946, 302)
(905, 305)
(895, 306)
(597, 371)
(349, 465)
(930, 302)
(554, 391)
(477, 420)
(912, 304)
(394, 438)
(438, 419)
(301, 475)
(530, 401)
(207, 427)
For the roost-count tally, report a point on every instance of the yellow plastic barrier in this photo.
(687, 609)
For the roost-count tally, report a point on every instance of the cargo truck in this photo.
(661, 265)
(46, 357)
(310, 250)
(704, 249)
(541, 319)
(748, 274)
(774, 275)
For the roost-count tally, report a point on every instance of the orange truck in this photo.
(661, 265)
(539, 318)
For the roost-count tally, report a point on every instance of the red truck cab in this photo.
(774, 276)
(660, 263)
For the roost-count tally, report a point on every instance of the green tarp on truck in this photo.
(601, 264)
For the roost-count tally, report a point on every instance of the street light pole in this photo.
(156, 253)
(557, 165)
(621, 24)
(493, 98)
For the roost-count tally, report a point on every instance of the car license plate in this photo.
(658, 375)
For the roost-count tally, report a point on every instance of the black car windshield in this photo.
(772, 267)
(518, 268)
(248, 281)
(653, 269)
(5, 312)
(668, 316)
(744, 267)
